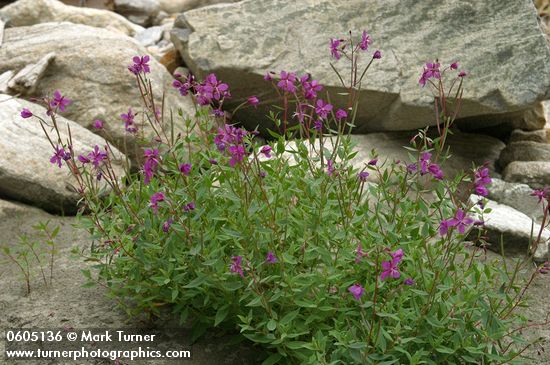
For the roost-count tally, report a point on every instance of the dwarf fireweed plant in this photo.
(294, 245)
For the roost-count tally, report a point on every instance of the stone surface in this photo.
(515, 229)
(150, 36)
(26, 174)
(4, 81)
(30, 12)
(141, 12)
(26, 80)
(91, 69)
(180, 6)
(536, 174)
(240, 42)
(517, 196)
(539, 136)
(524, 151)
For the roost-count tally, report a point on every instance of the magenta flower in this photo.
(341, 114)
(365, 41)
(237, 154)
(330, 168)
(286, 83)
(267, 77)
(359, 254)
(373, 162)
(409, 281)
(166, 225)
(266, 151)
(461, 221)
(59, 101)
(185, 168)
(454, 65)
(140, 65)
(26, 113)
(152, 160)
(335, 48)
(59, 156)
(462, 74)
(155, 199)
(129, 121)
(482, 179)
(318, 125)
(435, 171)
(389, 268)
(189, 207)
(98, 124)
(236, 265)
(270, 258)
(377, 55)
(426, 166)
(323, 109)
(213, 89)
(229, 135)
(311, 88)
(97, 156)
(431, 70)
(253, 100)
(213, 161)
(363, 176)
(357, 291)
(541, 193)
(185, 86)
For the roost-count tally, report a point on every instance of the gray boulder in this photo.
(141, 12)
(524, 151)
(180, 6)
(517, 196)
(536, 174)
(30, 12)
(240, 42)
(26, 173)
(519, 135)
(91, 69)
(514, 228)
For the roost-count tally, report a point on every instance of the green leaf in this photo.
(196, 282)
(221, 314)
(271, 325)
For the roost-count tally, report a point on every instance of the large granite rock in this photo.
(524, 151)
(141, 12)
(514, 228)
(517, 196)
(30, 12)
(90, 68)
(536, 174)
(26, 173)
(179, 6)
(498, 42)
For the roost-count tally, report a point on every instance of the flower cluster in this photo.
(481, 180)
(338, 46)
(152, 160)
(59, 155)
(155, 199)
(129, 123)
(210, 92)
(231, 140)
(426, 166)
(95, 157)
(390, 268)
(432, 71)
(541, 194)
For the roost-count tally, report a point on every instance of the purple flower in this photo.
(270, 258)
(311, 88)
(373, 162)
(263, 174)
(96, 156)
(237, 153)
(454, 65)
(189, 207)
(59, 101)
(323, 109)
(184, 87)
(166, 225)
(129, 121)
(150, 165)
(229, 135)
(286, 83)
(335, 48)
(155, 199)
(365, 41)
(411, 168)
(59, 156)
(409, 281)
(267, 77)
(318, 125)
(213, 161)
(330, 168)
(357, 291)
(389, 268)
(213, 89)
(359, 254)
(540, 193)
(341, 114)
(26, 113)
(482, 179)
(98, 124)
(185, 168)
(431, 70)
(266, 151)
(427, 167)
(461, 221)
(236, 265)
(462, 74)
(83, 159)
(545, 268)
(140, 64)
(435, 171)
(253, 100)
(363, 176)
(377, 55)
